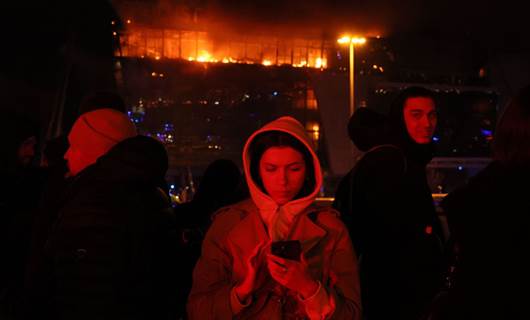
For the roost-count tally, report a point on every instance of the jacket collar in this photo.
(250, 231)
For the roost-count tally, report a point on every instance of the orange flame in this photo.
(200, 47)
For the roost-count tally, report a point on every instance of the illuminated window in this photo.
(313, 128)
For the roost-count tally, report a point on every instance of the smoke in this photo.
(329, 19)
(266, 17)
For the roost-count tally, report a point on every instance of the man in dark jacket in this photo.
(387, 204)
(111, 252)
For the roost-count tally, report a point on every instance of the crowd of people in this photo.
(90, 233)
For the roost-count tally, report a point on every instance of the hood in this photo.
(280, 218)
(139, 158)
(367, 129)
(399, 136)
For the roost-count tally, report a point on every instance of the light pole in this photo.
(352, 41)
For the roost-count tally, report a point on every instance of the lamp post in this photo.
(352, 41)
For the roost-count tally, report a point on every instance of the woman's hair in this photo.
(511, 144)
(263, 141)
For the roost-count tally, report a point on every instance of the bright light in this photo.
(157, 58)
(153, 74)
(320, 63)
(354, 40)
(316, 127)
(113, 22)
(204, 56)
(128, 20)
(344, 40)
(302, 63)
(114, 33)
(203, 52)
(358, 40)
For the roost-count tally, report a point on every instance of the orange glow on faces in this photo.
(282, 171)
(420, 118)
(77, 161)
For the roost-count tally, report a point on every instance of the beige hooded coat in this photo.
(239, 229)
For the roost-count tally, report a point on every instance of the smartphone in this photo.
(288, 249)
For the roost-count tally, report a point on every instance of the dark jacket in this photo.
(112, 250)
(387, 205)
(19, 199)
(220, 186)
(489, 219)
(20, 189)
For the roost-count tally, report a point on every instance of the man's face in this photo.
(420, 118)
(76, 160)
(26, 151)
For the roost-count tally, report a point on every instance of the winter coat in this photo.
(220, 186)
(238, 230)
(21, 186)
(112, 250)
(489, 220)
(19, 200)
(387, 205)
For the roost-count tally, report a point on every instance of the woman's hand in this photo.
(244, 289)
(292, 275)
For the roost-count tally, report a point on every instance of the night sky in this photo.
(496, 24)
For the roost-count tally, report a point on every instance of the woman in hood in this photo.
(277, 255)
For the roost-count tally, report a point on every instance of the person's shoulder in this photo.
(384, 159)
(227, 217)
(148, 193)
(481, 188)
(385, 153)
(326, 216)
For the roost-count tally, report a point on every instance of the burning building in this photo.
(202, 46)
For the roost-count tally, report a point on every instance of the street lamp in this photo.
(352, 41)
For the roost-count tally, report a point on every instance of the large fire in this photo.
(200, 46)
